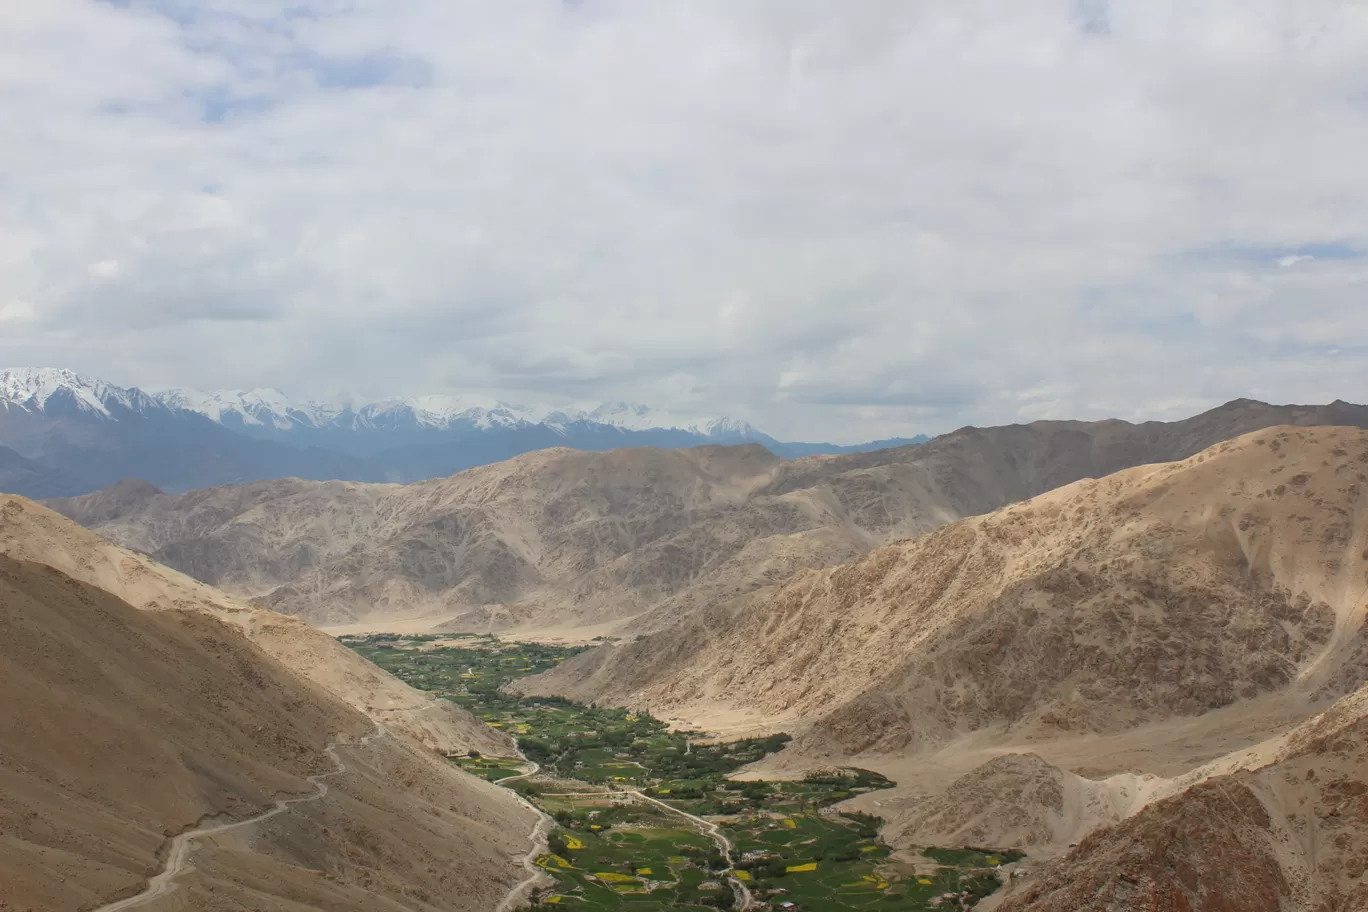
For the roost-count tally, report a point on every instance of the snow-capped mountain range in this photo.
(34, 389)
(31, 389)
(91, 433)
(263, 408)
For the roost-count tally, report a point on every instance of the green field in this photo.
(613, 848)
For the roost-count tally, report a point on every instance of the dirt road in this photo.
(744, 900)
(739, 888)
(537, 837)
(178, 854)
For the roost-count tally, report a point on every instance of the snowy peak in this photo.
(629, 416)
(269, 408)
(440, 411)
(49, 389)
(251, 408)
(270, 412)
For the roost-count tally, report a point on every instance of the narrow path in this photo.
(744, 900)
(535, 875)
(178, 855)
(742, 893)
(540, 831)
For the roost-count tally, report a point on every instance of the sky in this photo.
(839, 221)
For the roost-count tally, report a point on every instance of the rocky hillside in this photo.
(31, 532)
(1162, 591)
(121, 728)
(1288, 833)
(560, 537)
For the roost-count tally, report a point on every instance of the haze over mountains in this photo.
(62, 433)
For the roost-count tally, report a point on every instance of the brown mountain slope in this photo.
(495, 534)
(568, 538)
(1158, 592)
(31, 532)
(1291, 834)
(121, 728)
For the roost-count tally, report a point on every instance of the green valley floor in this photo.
(648, 819)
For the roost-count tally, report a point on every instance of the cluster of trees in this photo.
(765, 867)
(704, 762)
(581, 819)
(866, 825)
(709, 858)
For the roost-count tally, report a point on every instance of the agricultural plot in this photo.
(641, 866)
(467, 668)
(492, 770)
(613, 849)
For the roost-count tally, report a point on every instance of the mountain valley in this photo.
(1065, 641)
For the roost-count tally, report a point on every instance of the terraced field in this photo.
(621, 788)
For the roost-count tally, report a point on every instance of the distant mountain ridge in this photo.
(274, 410)
(70, 434)
(363, 429)
(564, 537)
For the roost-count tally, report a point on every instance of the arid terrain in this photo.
(1231, 575)
(561, 538)
(164, 747)
(1119, 648)
(1285, 828)
(1107, 654)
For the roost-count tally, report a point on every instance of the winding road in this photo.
(535, 875)
(178, 854)
(744, 900)
(538, 836)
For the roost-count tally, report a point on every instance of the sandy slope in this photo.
(121, 728)
(29, 531)
(636, 537)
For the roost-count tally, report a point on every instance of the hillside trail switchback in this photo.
(179, 852)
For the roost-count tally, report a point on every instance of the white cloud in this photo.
(14, 312)
(105, 269)
(844, 221)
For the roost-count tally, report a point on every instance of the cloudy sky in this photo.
(838, 220)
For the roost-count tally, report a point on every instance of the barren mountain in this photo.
(31, 532)
(560, 537)
(1125, 653)
(1159, 592)
(1289, 831)
(125, 734)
